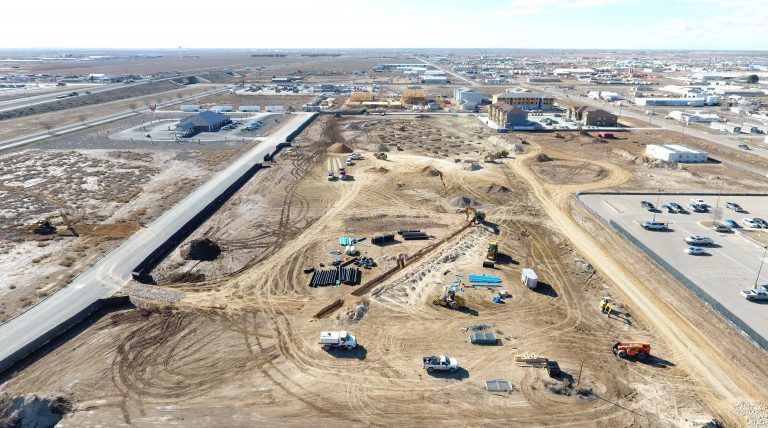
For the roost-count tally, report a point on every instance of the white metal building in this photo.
(462, 95)
(676, 153)
(726, 127)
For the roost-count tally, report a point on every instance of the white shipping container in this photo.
(221, 108)
(529, 278)
(273, 108)
(189, 108)
(249, 108)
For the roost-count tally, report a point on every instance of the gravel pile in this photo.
(151, 292)
(754, 412)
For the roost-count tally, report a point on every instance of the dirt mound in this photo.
(33, 410)
(201, 249)
(189, 277)
(339, 148)
(464, 201)
(380, 170)
(497, 188)
(541, 157)
(377, 148)
(431, 172)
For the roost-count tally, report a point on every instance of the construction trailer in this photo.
(529, 278)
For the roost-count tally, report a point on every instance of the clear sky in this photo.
(517, 24)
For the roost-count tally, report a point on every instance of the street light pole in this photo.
(761, 266)
(658, 198)
(716, 212)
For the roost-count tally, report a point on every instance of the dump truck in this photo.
(529, 278)
(337, 339)
(639, 350)
(449, 299)
(440, 363)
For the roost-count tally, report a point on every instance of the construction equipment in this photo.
(605, 305)
(43, 227)
(68, 223)
(473, 215)
(449, 299)
(639, 350)
(380, 155)
(493, 250)
(337, 339)
(331, 175)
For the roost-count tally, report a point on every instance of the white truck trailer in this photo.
(529, 278)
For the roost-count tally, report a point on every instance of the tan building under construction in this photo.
(414, 96)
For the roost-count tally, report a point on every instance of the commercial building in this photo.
(593, 116)
(508, 116)
(433, 80)
(696, 116)
(603, 95)
(676, 153)
(526, 100)
(678, 102)
(726, 127)
(466, 95)
(205, 121)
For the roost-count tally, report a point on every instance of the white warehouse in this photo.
(463, 95)
(676, 153)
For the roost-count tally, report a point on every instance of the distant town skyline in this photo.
(351, 24)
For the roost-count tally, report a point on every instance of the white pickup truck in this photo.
(337, 339)
(442, 363)
(755, 294)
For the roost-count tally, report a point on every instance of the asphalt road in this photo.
(51, 96)
(730, 265)
(113, 271)
(32, 138)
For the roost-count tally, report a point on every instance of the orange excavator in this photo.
(638, 350)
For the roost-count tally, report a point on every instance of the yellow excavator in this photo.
(45, 227)
(380, 155)
(473, 215)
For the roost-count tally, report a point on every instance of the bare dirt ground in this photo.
(107, 194)
(240, 348)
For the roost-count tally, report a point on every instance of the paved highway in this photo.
(51, 96)
(39, 136)
(113, 271)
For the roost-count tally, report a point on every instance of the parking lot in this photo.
(164, 130)
(729, 265)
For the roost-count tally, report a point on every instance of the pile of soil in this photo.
(541, 157)
(380, 170)
(431, 172)
(201, 249)
(464, 201)
(497, 188)
(186, 277)
(376, 148)
(339, 148)
(33, 410)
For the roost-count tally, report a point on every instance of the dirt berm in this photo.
(339, 148)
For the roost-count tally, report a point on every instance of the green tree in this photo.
(753, 78)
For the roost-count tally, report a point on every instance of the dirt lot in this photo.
(164, 363)
(107, 194)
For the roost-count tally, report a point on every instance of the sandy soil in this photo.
(164, 364)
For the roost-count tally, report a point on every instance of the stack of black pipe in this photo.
(380, 239)
(330, 276)
(410, 236)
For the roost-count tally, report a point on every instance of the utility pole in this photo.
(658, 198)
(716, 211)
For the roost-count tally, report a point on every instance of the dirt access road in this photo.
(725, 379)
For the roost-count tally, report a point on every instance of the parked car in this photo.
(679, 208)
(697, 208)
(669, 209)
(721, 228)
(647, 205)
(695, 251)
(731, 223)
(743, 146)
(654, 225)
(698, 201)
(750, 222)
(755, 294)
(698, 240)
(734, 206)
(761, 222)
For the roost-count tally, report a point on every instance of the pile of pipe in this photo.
(410, 236)
(365, 262)
(340, 275)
